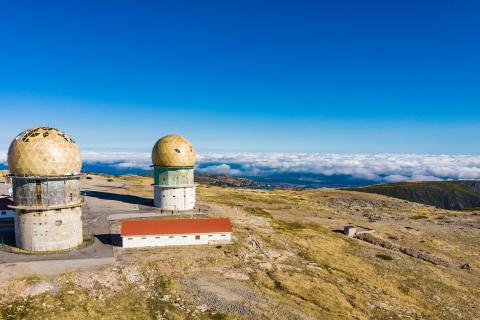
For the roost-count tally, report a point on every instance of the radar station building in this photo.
(173, 160)
(45, 166)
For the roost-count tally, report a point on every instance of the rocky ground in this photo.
(288, 261)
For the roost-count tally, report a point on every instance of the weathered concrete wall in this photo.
(46, 192)
(177, 199)
(48, 230)
(173, 177)
(408, 251)
(41, 227)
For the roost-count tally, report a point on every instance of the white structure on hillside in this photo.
(173, 160)
(174, 232)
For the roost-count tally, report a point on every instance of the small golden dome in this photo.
(173, 151)
(44, 151)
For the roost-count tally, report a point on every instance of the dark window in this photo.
(197, 237)
(4, 212)
(38, 191)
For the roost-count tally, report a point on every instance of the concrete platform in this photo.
(352, 231)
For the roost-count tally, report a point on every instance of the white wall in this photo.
(174, 240)
(177, 199)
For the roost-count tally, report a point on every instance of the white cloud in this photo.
(381, 167)
(220, 169)
(121, 160)
(140, 158)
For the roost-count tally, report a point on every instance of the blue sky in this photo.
(288, 76)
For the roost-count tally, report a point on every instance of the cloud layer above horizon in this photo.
(378, 167)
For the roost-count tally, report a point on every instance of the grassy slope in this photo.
(453, 195)
(293, 260)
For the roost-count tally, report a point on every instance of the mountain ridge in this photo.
(452, 195)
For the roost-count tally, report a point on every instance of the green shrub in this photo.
(418, 217)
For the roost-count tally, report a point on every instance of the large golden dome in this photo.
(44, 151)
(173, 151)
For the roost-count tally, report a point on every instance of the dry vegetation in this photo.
(287, 262)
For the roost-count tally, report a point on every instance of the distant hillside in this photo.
(224, 180)
(453, 195)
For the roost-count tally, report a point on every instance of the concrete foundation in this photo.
(47, 213)
(174, 188)
(353, 231)
(48, 230)
(176, 199)
(350, 231)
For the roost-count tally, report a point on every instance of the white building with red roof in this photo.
(174, 232)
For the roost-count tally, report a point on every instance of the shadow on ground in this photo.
(110, 239)
(341, 231)
(7, 232)
(120, 197)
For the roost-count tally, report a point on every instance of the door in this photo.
(38, 192)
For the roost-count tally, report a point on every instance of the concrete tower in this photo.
(173, 160)
(45, 166)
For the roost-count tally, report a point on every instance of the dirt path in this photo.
(47, 268)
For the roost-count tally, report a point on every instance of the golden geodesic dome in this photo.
(173, 151)
(44, 151)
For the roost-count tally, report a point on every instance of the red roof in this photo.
(174, 226)
(4, 203)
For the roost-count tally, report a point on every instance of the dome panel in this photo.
(173, 151)
(44, 151)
